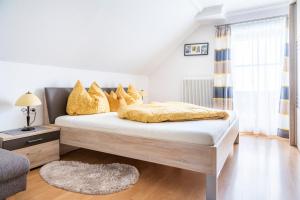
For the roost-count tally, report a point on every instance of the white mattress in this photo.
(206, 132)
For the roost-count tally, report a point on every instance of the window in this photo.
(257, 61)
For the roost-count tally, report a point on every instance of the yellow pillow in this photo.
(96, 92)
(115, 102)
(134, 93)
(80, 102)
(121, 92)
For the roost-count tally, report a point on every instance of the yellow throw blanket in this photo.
(169, 111)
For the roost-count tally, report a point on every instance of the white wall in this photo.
(166, 81)
(114, 35)
(17, 78)
(298, 74)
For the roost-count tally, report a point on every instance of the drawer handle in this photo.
(34, 141)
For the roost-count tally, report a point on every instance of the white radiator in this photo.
(198, 91)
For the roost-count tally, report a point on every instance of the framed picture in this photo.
(196, 49)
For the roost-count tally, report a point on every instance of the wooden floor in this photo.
(259, 169)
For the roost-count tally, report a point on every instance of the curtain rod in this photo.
(252, 20)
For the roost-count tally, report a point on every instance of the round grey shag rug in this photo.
(89, 178)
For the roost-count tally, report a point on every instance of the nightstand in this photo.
(40, 146)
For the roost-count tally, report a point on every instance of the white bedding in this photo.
(206, 132)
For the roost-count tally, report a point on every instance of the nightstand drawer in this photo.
(41, 154)
(30, 140)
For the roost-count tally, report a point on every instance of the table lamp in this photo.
(28, 100)
(143, 94)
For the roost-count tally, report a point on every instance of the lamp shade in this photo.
(143, 93)
(28, 99)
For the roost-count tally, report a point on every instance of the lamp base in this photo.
(28, 128)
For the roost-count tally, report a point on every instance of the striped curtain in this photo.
(283, 128)
(222, 96)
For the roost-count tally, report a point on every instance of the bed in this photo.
(201, 146)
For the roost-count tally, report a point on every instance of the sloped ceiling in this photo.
(129, 36)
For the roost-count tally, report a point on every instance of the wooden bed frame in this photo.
(208, 160)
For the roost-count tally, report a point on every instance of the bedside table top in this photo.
(17, 133)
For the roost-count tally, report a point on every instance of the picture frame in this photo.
(196, 49)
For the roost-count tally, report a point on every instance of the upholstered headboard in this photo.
(56, 102)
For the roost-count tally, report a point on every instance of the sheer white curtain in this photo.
(257, 60)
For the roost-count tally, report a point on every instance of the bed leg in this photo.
(237, 139)
(211, 187)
